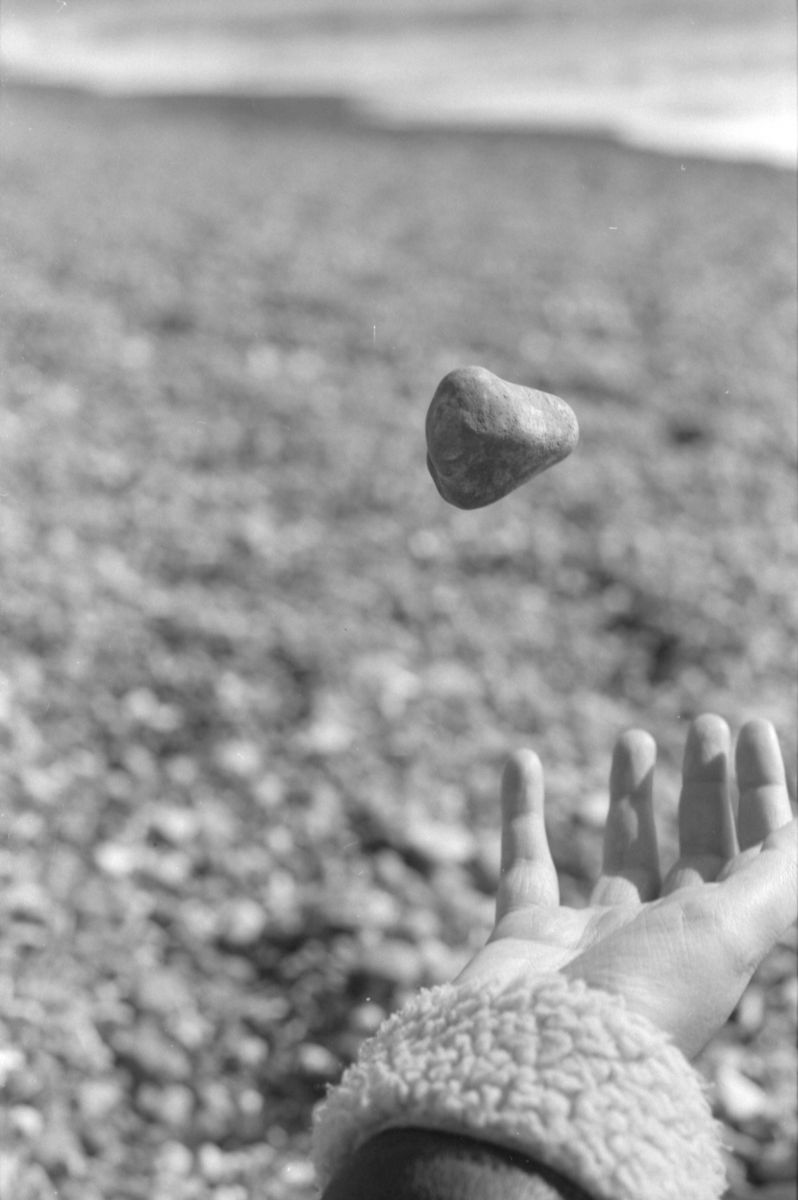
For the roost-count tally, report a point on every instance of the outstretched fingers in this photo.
(630, 870)
(528, 875)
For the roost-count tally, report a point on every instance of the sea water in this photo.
(709, 77)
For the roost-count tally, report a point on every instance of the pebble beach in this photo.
(259, 680)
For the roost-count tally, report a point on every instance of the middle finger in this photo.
(630, 870)
(707, 837)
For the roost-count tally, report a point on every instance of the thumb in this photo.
(759, 899)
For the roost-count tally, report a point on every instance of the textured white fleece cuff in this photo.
(560, 1071)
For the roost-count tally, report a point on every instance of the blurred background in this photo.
(257, 680)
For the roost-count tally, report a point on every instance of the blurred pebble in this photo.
(23, 1181)
(421, 924)
(29, 901)
(97, 1098)
(27, 1121)
(217, 1114)
(250, 1052)
(175, 825)
(450, 679)
(220, 1168)
(11, 1060)
(146, 1052)
(27, 935)
(172, 868)
(136, 352)
(591, 810)
(328, 735)
(141, 764)
(59, 1153)
(388, 684)
(199, 920)
(241, 923)
(750, 1011)
(220, 825)
(366, 1018)
(264, 1012)
(175, 1159)
(264, 360)
(233, 1191)
(172, 1105)
(162, 991)
(436, 842)
(283, 900)
(118, 858)
(459, 900)
(317, 1061)
(250, 1102)
(182, 770)
(119, 786)
(298, 1172)
(394, 961)
(239, 758)
(270, 792)
(425, 545)
(788, 994)
(740, 1100)
(374, 908)
(144, 707)
(211, 1162)
(777, 1162)
(389, 869)
(40, 786)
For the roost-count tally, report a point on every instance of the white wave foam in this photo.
(725, 90)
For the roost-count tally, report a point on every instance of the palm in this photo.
(680, 953)
(553, 940)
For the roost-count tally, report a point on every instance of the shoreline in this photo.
(338, 111)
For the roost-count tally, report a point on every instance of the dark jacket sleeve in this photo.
(417, 1164)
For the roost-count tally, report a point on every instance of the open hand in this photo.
(682, 949)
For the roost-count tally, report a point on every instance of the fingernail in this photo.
(759, 758)
(707, 747)
(633, 761)
(522, 781)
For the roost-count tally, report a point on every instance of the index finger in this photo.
(528, 874)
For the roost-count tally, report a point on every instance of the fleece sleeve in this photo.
(558, 1071)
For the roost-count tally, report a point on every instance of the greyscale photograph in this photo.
(398, 600)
